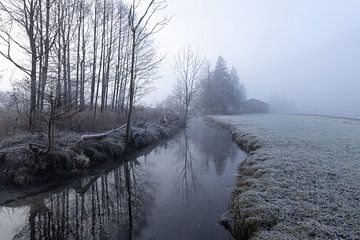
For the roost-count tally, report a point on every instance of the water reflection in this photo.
(114, 205)
(177, 189)
(215, 146)
(187, 182)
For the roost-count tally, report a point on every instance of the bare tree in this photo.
(121, 57)
(102, 58)
(188, 66)
(85, 36)
(93, 78)
(141, 29)
(21, 14)
(48, 43)
(28, 16)
(80, 23)
(147, 64)
(56, 111)
(65, 38)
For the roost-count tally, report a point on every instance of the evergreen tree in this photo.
(221, 90)
(235, 91)
(221, 84)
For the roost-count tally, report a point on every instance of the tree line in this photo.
(221, 90)
(77, 54)
(202, 88)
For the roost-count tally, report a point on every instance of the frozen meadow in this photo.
(301, 179)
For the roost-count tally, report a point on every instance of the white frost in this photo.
(306, 175)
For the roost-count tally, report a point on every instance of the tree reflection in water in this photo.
(187, 183)
(200, 146)
(137, 201)
(215, 144)
(112, 206)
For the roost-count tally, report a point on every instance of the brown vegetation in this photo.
(72, 153)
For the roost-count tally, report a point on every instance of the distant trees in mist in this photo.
(201, 88)
(221, 90)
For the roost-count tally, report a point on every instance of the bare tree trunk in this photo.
(64, 53)
(124, 85)
(58, 83)
(69, 92)
(47, 51)
(93, 79)
(50, 125)
(103, 83)
(109, 56)
(101, 62)
(31, 34)
(41, 53)
(82, 81)
(118, 63)
(78, 56)
(131, 91)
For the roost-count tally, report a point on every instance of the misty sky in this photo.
(305, 50)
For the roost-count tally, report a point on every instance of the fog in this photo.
(109, 94)
(304, 51)
(299, 56)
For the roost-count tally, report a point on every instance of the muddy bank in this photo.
(300, 179)
(21, 168)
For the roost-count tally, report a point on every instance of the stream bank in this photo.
(23, 172)
(178, 189)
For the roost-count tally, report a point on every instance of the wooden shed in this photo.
(254, 106)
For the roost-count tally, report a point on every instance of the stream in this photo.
(175, 190)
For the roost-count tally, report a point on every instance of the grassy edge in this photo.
(245, 218)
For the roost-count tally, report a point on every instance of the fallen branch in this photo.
(36, 148)
(99, 135)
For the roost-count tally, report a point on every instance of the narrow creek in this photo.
(176, 190)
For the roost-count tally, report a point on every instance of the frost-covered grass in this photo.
(301, 179)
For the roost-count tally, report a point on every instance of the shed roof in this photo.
(253, 100)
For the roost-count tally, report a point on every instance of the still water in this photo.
(176, 190)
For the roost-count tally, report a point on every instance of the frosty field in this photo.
(301, 179)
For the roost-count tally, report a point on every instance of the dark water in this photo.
(176, 190)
